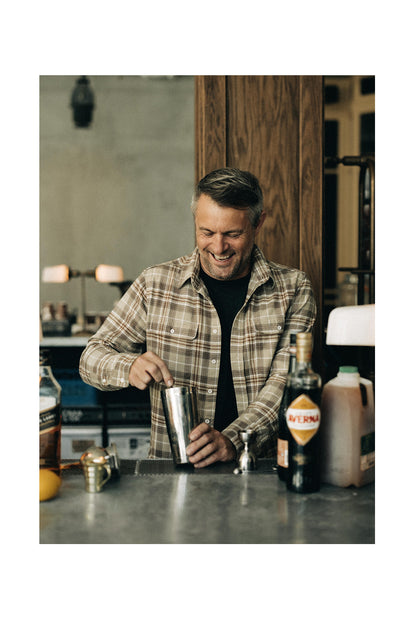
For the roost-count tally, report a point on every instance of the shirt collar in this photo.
(261, 272)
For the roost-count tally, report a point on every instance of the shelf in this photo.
(64, 341)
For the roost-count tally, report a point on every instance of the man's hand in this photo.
(149, 368)
(208, 446)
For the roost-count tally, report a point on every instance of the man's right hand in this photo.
(149, 368)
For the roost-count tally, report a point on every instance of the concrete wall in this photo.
(119, 191)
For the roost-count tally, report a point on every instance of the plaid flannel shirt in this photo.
(167, 310)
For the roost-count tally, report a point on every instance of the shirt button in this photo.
(279, 328)
(215, 331)
(172, 331)
(213, 361)
(104, 381)
(207, 420)
(209, 391)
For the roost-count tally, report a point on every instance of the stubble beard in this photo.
(220, 274)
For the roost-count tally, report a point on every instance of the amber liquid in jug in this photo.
(348, 430)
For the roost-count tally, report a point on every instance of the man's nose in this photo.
(220, 244)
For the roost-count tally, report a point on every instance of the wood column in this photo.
(273, 127)
(210, 124)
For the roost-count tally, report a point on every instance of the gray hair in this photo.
(231, 187)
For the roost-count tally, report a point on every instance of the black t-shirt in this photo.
(228, 297)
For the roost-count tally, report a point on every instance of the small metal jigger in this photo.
(95, 463)
(247, 458)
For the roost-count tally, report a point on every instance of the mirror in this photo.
(117, 192)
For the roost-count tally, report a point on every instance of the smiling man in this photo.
(218, 320)
(225, 238)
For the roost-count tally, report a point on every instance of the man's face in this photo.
(225, 238)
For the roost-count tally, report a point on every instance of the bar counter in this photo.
(155, 502)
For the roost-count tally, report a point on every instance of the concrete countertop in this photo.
(212, 505)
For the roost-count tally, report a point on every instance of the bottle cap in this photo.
(304, 346)
(348, 369)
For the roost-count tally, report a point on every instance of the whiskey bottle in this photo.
(283, 431)
(303, 420)
(50, 420)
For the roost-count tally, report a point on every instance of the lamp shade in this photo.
(55, 273)
(109, 273)
(351, 325)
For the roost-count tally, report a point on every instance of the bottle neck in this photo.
(292, 359)
(304, 360)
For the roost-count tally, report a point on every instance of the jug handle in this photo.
(108, 470)
(363, 394)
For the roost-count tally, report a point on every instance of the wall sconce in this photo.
(82, 102)
(111, 274)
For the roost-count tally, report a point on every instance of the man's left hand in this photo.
(208, 446)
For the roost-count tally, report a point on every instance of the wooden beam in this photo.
(311, 195)
(210, 124)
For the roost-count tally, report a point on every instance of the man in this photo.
(218, 320)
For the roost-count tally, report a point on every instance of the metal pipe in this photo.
(366, 163)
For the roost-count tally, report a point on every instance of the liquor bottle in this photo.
(303, 420)
(50, 419)
(283, 431)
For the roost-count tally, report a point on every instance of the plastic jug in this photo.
(347, 430)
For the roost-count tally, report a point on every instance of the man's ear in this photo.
(260, 223)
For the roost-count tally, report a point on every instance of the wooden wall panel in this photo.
(311, 193)
(272, 126)
(262, 137)
(210, 124)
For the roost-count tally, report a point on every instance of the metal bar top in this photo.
(163, 503)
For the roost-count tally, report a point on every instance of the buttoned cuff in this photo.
(233, 436)
(115, 371)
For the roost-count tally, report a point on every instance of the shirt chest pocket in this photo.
(175, 342)
(181, 331)
(174, 330)
(268, 326)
